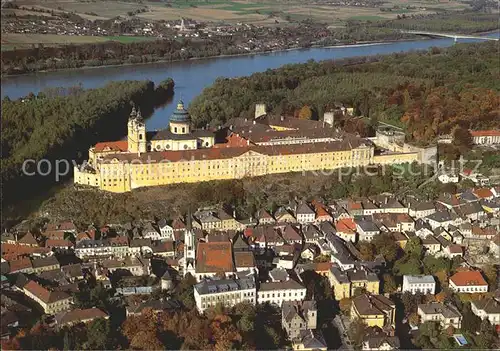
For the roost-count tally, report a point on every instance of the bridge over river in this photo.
(449, 35)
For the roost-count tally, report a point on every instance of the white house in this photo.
(227, 292)
(424, 284)
(487, 309)
(485, 137)
(166, 231)
(366, 229)
(279, 291)
(468, 282)
(418, 209)
(448, 178)
(446, 315)
(305, 214)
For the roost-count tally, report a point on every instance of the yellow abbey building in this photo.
(251, 147)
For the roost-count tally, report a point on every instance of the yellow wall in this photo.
(396, 158)
(341, 291)
(180, 128)
(118, 177)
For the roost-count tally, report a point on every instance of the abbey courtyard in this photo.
(243, 147)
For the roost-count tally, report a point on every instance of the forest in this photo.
(438, 88)
(62, 123)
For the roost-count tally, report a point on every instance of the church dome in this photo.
(180, 114)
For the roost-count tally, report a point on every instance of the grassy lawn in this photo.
(125, 39)
(367, 18)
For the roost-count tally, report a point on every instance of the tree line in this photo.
(428, 93)
(62, 123)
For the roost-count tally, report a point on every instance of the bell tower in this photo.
(136, 135)
(189, 248)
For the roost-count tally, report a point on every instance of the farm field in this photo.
(247, 11)
(19, 41)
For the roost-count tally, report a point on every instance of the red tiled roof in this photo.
(483, 193)
(13, 251)
(454, 248)
(178, 224)
(468, 278)
(404, 217)
(119, 240)
(291, 233)
(322, 266)
(233, 140)
(121, 146)
(83, 236)
(346, 226)
(244, 259)
(320, 209)
(58, 243)
(37, 290)
(354, 205)
(214, 257)
(54, 234)
(20, 264)
(231, 152)
(480, 133)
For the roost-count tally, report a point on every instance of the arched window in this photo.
(175, 129)
(140, 136)
(183, 130)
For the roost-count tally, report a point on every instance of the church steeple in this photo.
(136, 133)
(189, 247)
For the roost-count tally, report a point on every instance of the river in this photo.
(192, 76)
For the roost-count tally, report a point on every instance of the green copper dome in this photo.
(180, 114)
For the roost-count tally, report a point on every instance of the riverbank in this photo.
(412, 38)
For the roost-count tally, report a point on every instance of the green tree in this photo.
(389, 284)
(98, 335)
(470, 322)
(487, 335)
(407, 265)
(411, 301)
(414, 247)
(386, 246)
(430, 329)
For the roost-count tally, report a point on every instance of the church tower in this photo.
(180, 121)
(136, 135)
(189, 248)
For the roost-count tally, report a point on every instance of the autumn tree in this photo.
(226, 335)
(345, 306)
(305, 112)
(389, 284)
(357, 331)
(367, 250)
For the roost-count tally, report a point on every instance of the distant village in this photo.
(263, 259)
(249, 37)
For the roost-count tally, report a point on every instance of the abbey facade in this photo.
(248, 148)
